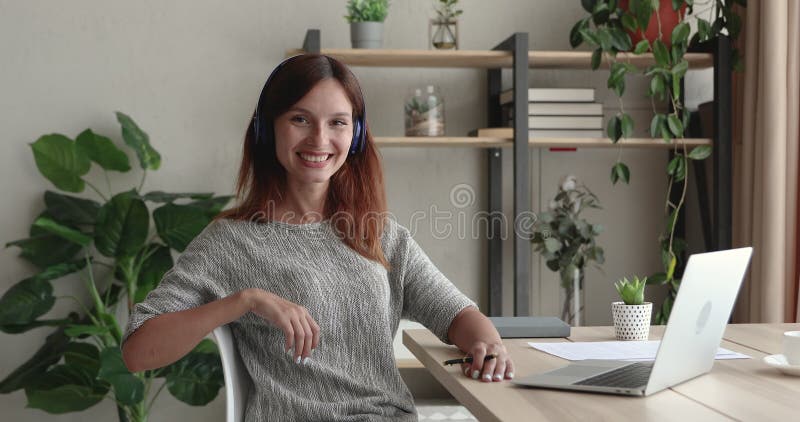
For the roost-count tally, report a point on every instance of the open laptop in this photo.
(704, 303)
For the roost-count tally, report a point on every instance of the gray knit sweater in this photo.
(352, 375)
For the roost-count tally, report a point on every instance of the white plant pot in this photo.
(366, 34)
(631, 322)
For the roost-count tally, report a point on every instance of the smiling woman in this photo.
(334, 281)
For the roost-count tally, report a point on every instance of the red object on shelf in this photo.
(669, 20)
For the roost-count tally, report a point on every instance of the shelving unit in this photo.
(513, 53)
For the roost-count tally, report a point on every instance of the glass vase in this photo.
(444, 35)
(424, 113)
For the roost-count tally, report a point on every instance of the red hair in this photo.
(356, 200)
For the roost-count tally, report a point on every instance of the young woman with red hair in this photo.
(308, 269)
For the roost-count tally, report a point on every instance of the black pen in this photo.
(468, 359)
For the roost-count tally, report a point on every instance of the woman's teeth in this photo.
(314, 158)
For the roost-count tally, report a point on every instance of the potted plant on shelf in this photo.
(366, 22)
(424, 114)
(632, 314)
(607, 29)
(108, 246)
(445, 26)
(567, 242)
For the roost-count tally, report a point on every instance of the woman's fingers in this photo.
(299, 339)
(509, 369)
(478, 353)
(308, 337)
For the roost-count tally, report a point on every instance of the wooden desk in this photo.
(745, 389)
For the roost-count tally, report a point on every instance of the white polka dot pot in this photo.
(631, 322)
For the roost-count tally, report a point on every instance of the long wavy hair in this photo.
(356, 200)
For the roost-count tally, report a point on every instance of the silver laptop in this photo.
(701, 311)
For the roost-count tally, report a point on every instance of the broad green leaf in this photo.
(164, 197)
(588, 5)
(50, 353)
(575, 38)
(700, 153)
(658, 88)
(26, 301)
(177, 225)
(212, 206)
(628, 22)
(122, 225)
(597, 57)
(196, 378)
(672, 167)
(675, 125)
(620, 171)
(703, 29)
(81, 330)
(44, 249)
(84, 355)
(657, 279)
(65, 388)
(603, 36)
(620, 40)
(60, 270)
(660, 53)
(153, 269)
(614, 129)
(656, 125)
(102, 151)
(62, 231)
(680, 34)
(680, 69)
(641, 47)
(137, 139)
(626, 124)
(128, 389)
(69, 209)
(552, 244)
(61, 161)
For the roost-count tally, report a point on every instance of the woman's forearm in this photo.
(471, 326)
(166, 338)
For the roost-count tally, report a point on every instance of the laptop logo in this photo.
(702, 319)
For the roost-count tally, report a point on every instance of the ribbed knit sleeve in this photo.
(199, 276)
(428, 295)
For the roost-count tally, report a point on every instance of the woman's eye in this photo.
(299, 119)
(339, 123)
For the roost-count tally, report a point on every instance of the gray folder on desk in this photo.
(520, 327)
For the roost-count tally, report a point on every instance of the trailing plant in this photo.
(80, 362)
(446, 11)
(566, 240)
(367, 10)
(631, 292)
(607, 30)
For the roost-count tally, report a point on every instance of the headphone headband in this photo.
(262, 130)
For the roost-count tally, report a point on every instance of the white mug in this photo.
(791, 347)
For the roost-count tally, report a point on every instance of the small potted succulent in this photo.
(445, 26)
(632, 314)
(366, 22)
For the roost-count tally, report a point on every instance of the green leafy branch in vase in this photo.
(109, 247)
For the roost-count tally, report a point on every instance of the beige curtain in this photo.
(766, 137)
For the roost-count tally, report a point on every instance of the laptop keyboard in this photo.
(631, 376)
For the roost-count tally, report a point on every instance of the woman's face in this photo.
(319, 126)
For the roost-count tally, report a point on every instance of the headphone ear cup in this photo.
(358, 137)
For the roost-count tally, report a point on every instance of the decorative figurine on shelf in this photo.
(445, 26)
(424, 114)
(366, 22)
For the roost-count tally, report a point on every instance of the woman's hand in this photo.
(299, 328)
(495, 369)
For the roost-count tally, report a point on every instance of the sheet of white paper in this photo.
(616, 350)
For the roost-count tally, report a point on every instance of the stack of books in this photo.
(558, 112)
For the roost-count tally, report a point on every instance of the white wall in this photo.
(189, 72)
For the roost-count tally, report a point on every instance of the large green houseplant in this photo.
(109, 247)
(607, 29)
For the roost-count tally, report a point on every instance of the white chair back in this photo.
(237, 380)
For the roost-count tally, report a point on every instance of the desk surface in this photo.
(744, 389)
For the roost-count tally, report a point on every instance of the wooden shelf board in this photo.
(436, 141)
(409, 363)
(501, 138)
(488, 58)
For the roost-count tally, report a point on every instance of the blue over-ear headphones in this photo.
(265, 129)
